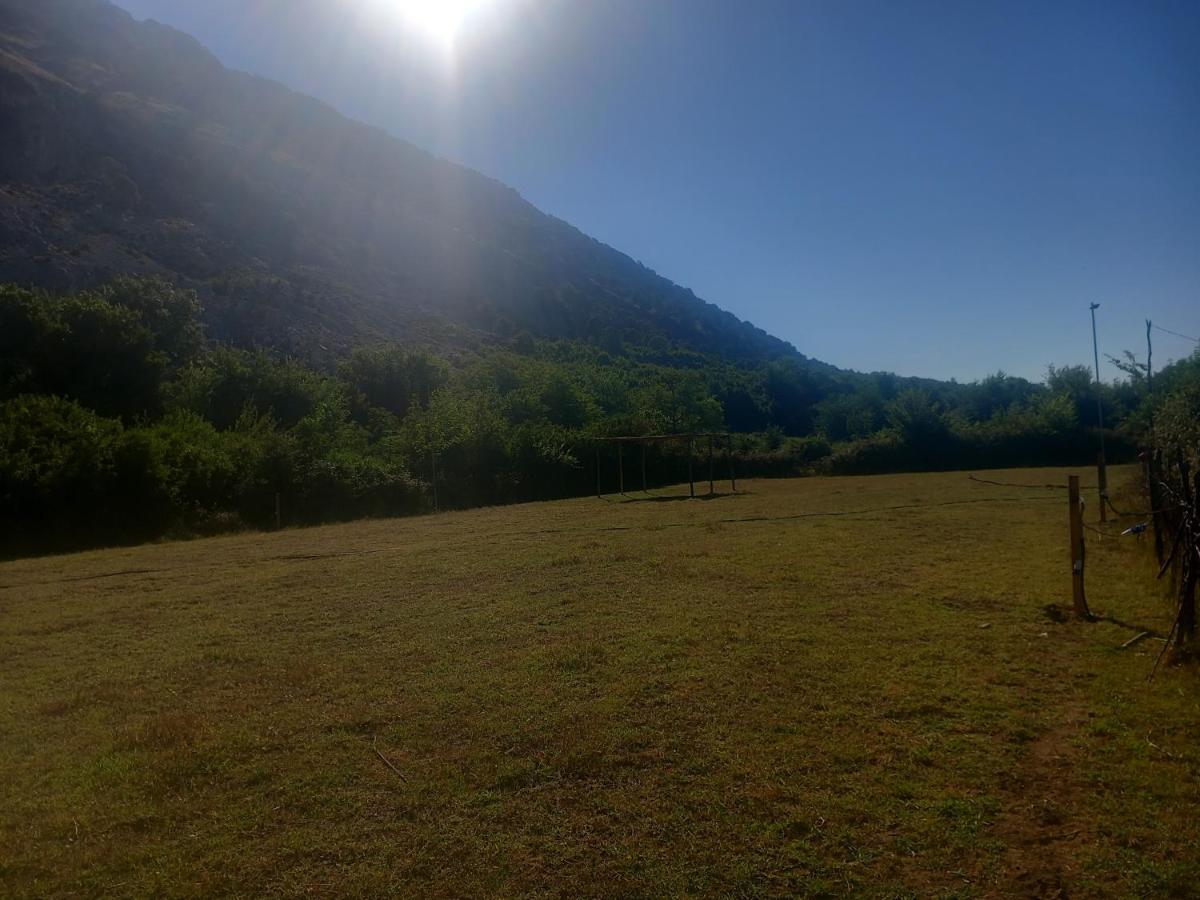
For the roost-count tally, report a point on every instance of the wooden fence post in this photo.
(1077, 550)
(1103, 477)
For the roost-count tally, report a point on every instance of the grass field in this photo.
(819, 687)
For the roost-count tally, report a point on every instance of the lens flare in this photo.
(439, 20)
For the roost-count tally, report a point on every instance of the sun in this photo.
(439, 20)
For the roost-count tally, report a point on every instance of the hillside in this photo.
(130, 149)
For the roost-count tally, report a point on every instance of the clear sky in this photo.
(932, 188)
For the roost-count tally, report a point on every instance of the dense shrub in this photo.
(227, 383)
(188, 471)
(884, 452)
(58, 467)
(788, 458)
(393, 379)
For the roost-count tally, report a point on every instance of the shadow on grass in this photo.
(1148, 631)
(673, 498)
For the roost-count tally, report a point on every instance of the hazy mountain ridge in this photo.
(132, 149)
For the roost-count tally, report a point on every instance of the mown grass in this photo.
(739, 697)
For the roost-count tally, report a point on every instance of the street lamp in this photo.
(1099, 417)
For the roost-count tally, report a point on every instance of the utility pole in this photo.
(1100, 419)
(1149, 358)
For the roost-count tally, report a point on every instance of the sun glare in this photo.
(440, 20)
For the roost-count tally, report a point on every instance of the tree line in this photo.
(120, 422)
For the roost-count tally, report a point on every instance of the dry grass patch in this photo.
(818, 687)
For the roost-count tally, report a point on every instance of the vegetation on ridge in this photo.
(118, 422)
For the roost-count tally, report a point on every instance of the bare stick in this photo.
(1133, 640)
(1171, 556)
(1163, 652)
(387, 762)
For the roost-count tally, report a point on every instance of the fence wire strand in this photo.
(1121, 514)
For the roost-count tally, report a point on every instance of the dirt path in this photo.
(1041, 822)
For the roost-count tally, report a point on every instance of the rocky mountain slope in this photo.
(128, 148)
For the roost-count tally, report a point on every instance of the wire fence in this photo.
(1173, 518)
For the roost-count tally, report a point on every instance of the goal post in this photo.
(710, 439)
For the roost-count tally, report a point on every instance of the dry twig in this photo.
(387, 762)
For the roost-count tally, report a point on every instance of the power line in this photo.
(1186, 337)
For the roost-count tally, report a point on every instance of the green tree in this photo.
(57, 464)
(393, 378)
(83, 347)
(994, 395)
(792, 393)
(849, 416)
(918, 419)
(226, 383)
(170, 314)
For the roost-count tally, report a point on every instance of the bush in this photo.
(886, 452)
(345, 484)
(393, 379)
(227, 383)
(186, 470)
(109, 350)
(783, 459)
(58, 469)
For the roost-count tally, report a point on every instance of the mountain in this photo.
(129, 148)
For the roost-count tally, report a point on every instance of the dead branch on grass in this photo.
(387, 762)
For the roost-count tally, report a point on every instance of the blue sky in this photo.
(935, 189)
